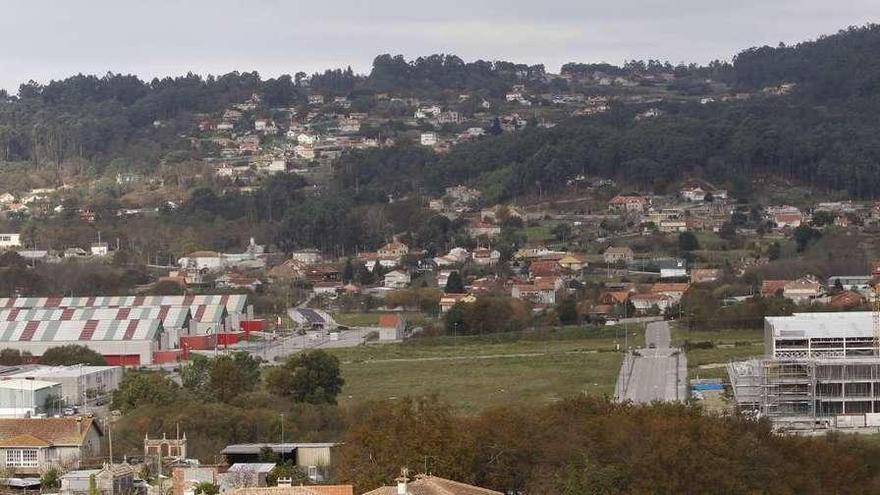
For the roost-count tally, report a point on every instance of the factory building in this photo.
(21, 398)
(79, 384)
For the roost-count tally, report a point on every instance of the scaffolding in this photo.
(807, 388)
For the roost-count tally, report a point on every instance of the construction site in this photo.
(820, 371)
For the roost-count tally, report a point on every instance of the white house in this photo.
(10, 241)
(202, 260)
(100, 249)
(428, 139)
(397, 279)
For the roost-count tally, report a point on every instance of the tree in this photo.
(69, 355)
(93, 485)
(728, 231)
(804, 235)
(232, 376)
(312, 377)
(774, 251)
(561, 232)
(567, 311)
(348, 271)
(454, 284)
(206, 488)
(12, 357)
(687, 242)
(143, 388)
(51, 479)
(822, 218)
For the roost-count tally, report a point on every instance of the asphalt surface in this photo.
(658, 372)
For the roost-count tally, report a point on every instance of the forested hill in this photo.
(823, 133)
(838, 66)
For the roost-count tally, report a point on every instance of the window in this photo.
(21, 457)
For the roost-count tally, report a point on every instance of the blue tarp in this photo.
(701, 387)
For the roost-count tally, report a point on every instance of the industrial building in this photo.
(126, 330)
(21, 397)
(78, 383)
(819, 369)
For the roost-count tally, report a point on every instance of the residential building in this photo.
(447, 301)
(8, 241)
(111, 479)
(397, 279)
(572, 263)
(628, 204)
(30, 446)
(428, 139)
(651, 302)
(614, 255)
(100, 249)
(705, 275)
(485, 256)
(430, 485)
(394, 249)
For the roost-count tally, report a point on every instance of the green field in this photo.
(729, 345)
(473, 373)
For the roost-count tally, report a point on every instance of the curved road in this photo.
(657, 373)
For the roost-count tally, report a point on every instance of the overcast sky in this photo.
(52, 39)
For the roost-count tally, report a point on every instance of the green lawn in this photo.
(730, 344)
(538, 233)
(473, 373)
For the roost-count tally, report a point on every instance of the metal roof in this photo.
(255, 448)
(858, 324)
(171, 316)
(79, 331)
(235, 303)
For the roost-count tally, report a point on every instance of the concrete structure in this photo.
(20, 397)
(8, 241)
(78, 383)
(819, 370)
(313, 458)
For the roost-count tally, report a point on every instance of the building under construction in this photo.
(819, 367)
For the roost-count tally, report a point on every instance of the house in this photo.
(8, 241)
(542, 290)
(447, 301)
(428, 139)
(647, 303)
(99, 249)
(785, 216)
(289, 270)
(30, 446)
(286, 488)
(238, 281)
(397, 279)
(803, 289)
(394, 249)
(851, 282)
(482, 229)
(847, 300)
(316, 99)
(430, 485)
(111, 479)
(202, 260)
(307, 256)
(330, 288)
(674, 290)
(572, 263)
(391, 327)
(694, 193)
(614, 297)
(672, 226)
(544, 268)
(486, 257)
(614, 255)
(772, 288)
(322, 273)
(628, 204)
(705, 275)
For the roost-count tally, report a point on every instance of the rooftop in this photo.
(823, 325)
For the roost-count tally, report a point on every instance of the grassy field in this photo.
(473, 373)
(729, 344)
(372, 318)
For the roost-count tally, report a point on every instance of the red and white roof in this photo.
(79, 331)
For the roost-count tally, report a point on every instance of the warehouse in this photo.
(121, 342)
(78, 383)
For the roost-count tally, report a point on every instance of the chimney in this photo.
(401, 482)
(79, 424)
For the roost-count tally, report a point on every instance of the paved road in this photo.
(654, 373)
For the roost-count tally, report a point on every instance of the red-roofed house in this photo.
(391, 327)
(621, 203)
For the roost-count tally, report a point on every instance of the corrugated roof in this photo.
(823, 325)
(78, 331)
(235, 303)
(171, 316)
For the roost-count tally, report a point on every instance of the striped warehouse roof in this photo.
(234, 303)
(84, 330)
(171, 316)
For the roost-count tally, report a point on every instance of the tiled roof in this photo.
(296, 490)
(433, 485)
(389, 321)
(38, 432)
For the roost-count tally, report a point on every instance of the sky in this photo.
(53, 39)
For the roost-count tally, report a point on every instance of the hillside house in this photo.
(628, 204)
(649, 303)
(614, 255)
(485, 256)
(397, 279)
(447, 301)
(394, 249)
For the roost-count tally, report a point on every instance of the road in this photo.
(658, 372)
